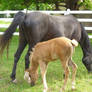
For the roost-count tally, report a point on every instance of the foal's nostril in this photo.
(64, 75)
(32, 84)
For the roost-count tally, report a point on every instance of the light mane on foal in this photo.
(44, 52)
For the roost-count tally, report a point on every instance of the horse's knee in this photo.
(27, 57)
(74, 67)
(16, 58)
(67, 72)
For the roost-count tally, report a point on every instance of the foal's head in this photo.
(31, 75)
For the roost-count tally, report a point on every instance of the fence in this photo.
(68, 11)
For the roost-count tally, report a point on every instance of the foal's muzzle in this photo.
(32, 84)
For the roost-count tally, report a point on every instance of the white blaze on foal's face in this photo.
(26, 77)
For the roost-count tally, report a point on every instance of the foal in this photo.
(59, 48)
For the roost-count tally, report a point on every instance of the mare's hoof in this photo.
(89, 72)
(14, 81)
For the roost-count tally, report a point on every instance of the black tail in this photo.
(84, 41)
(5, 38)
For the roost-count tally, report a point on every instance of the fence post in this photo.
(7, 14)
(67, 12)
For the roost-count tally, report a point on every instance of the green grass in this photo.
(6, 23)
(4, 29)
(3, 22)
(54, 74)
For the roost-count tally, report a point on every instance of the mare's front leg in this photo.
(22, 44)
(27, 62)
(43, 67)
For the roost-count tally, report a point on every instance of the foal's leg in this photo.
(74, 69)
(66, 71)
(43, 67)
(22, 44)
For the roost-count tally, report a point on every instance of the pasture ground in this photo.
(54, 74)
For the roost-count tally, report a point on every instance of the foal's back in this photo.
(53, 49)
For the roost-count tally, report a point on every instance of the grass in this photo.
(6, 23)
(3, 22)
(54, 74)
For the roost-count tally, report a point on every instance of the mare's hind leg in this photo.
(27, 59)
(27, 62)
(22, 44)
(43, 67)
(74, 69)
(31, 45)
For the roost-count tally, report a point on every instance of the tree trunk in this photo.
(72, 4)
(56, 5)
(37, 5)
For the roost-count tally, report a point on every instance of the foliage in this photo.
(42, 4)
(46, 6)
(87, 4)
(11, 4)
(21, 4)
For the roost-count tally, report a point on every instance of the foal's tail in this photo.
(5, 38)
(74, 43)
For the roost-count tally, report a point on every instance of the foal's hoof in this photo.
(62, 90)
(14, 81)
(73, 88)
(45, 90)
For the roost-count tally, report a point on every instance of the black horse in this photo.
(36, 26)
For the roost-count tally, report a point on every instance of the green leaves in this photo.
(44, 4)
(87, 4)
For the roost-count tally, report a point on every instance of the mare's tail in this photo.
(84, 41)
(5, 38)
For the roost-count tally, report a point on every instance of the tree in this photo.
(72, 4)
(45, 4)
(11, 4)
(86, 4)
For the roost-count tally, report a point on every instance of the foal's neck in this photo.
(34, 67)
